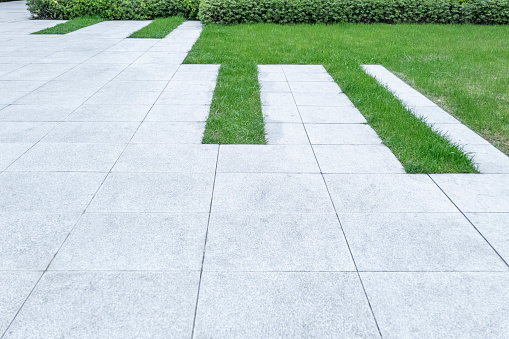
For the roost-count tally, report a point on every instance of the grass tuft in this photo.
(71, 25)
(158, 28)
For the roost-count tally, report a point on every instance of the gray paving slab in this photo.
(476, 193)
(168, 158)
(281, 114)
(30, 240)
(58, 192)
(386, 193)
(178, 113)
(487, 158)
(137, 241)
(109, 304)
(38, 72)
(460, 134)
(435, 115)
(270, 192)
(87, 88)
(49, 98)
(274, 305)
(331, 115)
(10, 152)
(275, 87)
(170, 132)
(417, 242)
(191, 86)
(493, 226)
(342, 134)
(319, 87)
(24, 132)
(430, 305)
(123, 97)
(111, 113)
(19, 85)
(16, 287)
(276, 99)
(356, 159)
(92, 132)
(108, 57)
(26, 113)
(286, 134)
(276, 242)
(69, 157)
(328, 99)
(154, 192)
(185, 98)
(267, 158)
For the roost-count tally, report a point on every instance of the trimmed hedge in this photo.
(113, 9)
(487, 12)
(355, 11)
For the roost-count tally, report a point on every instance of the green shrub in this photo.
(113, 9)
(355, 11)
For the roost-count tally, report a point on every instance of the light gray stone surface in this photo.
(267, 158)
(16, 287)
(185, 158)
(285, 304)
(59, 192)
(386, 193)
(432, 304)
(154, 192)
(11, 152)
(494, 227)
(92, 132)
(109, 304)
(476, 193)
(137, 241)
(108, 112)
(276, 242)
(356, 159)
(30, 240)
(331, 115)
(24, 132)
(417, 242)
(68, 157)
(36, 112)
(286, 134)
(278, 193)
(170, 132)
(342, 134)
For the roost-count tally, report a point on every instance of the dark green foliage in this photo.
(113, 9)
(355, 11)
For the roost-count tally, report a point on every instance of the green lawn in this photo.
(71, 25)
(464, 66)
(158, 28)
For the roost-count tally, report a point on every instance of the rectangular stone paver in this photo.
(417, 242)
(106, 242)
(276, 242)
(30, 240)
(284, 304)
(109, 304)
(432, 304)
(16, 287)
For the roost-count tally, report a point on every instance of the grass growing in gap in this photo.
(71, 25)
(158, 28)
(464, 66)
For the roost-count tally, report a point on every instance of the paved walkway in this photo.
(116, 222)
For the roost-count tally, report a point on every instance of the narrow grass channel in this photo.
(463, 68)
(71, 25)
(158, 28)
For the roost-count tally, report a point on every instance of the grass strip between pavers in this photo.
(71, 25)
(236, 117)
(158, 28)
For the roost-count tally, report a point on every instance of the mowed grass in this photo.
(158, 28)
(71, 25)
(464, 68)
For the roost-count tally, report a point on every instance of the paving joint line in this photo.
(471, 223)
(205, 244)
